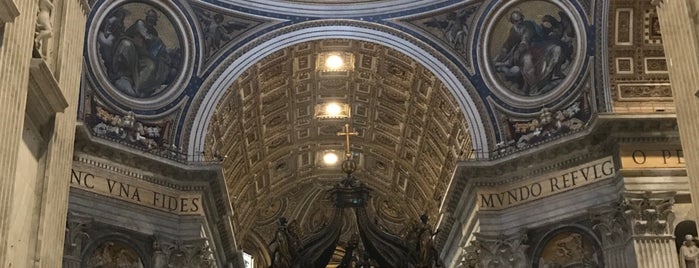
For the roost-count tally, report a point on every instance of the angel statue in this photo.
(217, 31)
(418, 240)
(454, 28)
(285, 244)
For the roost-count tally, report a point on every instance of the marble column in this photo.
(614, 230)
(679, 25)
(651, 223)
(503, 252)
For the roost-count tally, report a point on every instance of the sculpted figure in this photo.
(420, 245)
(283, 245)
(689, 253)
(43, 30)
(217, 31)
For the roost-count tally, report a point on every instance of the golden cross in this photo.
(347, 135)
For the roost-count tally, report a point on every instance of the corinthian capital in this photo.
(611, 223)
(650, 213)
(76, 234)
(506, 252)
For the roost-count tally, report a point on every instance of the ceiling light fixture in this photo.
(335, 62)
(330, 158)
(332, 110)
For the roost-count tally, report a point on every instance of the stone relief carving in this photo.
(650, 213)
(454, 27)
(647, 91)
(504, 251)
(471, 256)
(218, 29)
(181, 254)
(44, 29)
(127, 128)
(547, 125)
(569, 249)
(114, 254)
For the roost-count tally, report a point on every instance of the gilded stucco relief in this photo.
(638, 69)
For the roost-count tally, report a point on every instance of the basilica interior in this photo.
(349, 133)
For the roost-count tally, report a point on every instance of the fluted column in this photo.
(678, 24)
(503, 252)
(614, 231)
(15, 56)
(651, 221)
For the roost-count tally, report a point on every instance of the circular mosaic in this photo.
(138, 52)
(534, 50)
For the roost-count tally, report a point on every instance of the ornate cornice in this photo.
(598, 140)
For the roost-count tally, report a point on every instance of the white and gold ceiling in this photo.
(433, 82)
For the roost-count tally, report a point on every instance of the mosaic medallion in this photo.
(140, 50)
(533, 50)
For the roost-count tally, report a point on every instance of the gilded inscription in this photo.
(651, 156)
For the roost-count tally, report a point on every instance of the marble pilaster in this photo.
(76, 239)
(15, 56)
(614, 230)
(679, 25)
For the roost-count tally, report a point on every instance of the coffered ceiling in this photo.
(411, 133)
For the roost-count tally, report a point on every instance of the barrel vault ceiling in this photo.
(411, 134)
